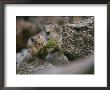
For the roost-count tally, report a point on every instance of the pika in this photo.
(38, 42)
(54, 31)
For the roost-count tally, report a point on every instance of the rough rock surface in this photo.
(34, 66)
(30, 64)
(78, 39)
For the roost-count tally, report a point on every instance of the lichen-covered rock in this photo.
(35, 65)
(78, 39)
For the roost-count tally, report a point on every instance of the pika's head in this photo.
(35, 40)
(49, 27)
(39, 40)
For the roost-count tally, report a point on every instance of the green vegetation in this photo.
(51, 45)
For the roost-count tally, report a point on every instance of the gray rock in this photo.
(19, 58)
(57, 58)
(24, 52)
(21, 55)
(43, 68)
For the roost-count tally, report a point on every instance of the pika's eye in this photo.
(39, 43)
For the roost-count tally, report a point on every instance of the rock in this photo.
(34, 67)
(78, 38)
(57, 58)
(24, 52)
(28, 58)
(43, 68)
(19, 58)
(22, 55)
